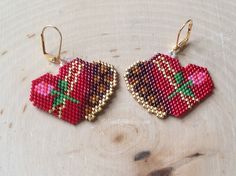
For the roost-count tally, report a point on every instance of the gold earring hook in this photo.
(181, 44)
(50, 57)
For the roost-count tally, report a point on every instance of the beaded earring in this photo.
(164, 87)
(79, 91)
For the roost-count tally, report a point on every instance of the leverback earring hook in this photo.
(183, 43)
(50, 57)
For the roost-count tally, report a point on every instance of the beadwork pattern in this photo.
(165, 88)
(78, 92)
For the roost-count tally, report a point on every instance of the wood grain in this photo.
(32, 143)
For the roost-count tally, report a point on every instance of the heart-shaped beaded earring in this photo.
(79, 91)
(164, 87)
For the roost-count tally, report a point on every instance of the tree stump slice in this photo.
(125, 139)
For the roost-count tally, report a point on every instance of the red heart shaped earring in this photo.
(164, 87)
(79, 91)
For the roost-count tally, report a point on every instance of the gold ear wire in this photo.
(50, 57)
(181, 44)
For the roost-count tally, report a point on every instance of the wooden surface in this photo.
(126, 139)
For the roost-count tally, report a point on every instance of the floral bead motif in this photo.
(165, 88)
(79, 91)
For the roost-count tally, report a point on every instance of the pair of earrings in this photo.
(81, 89)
